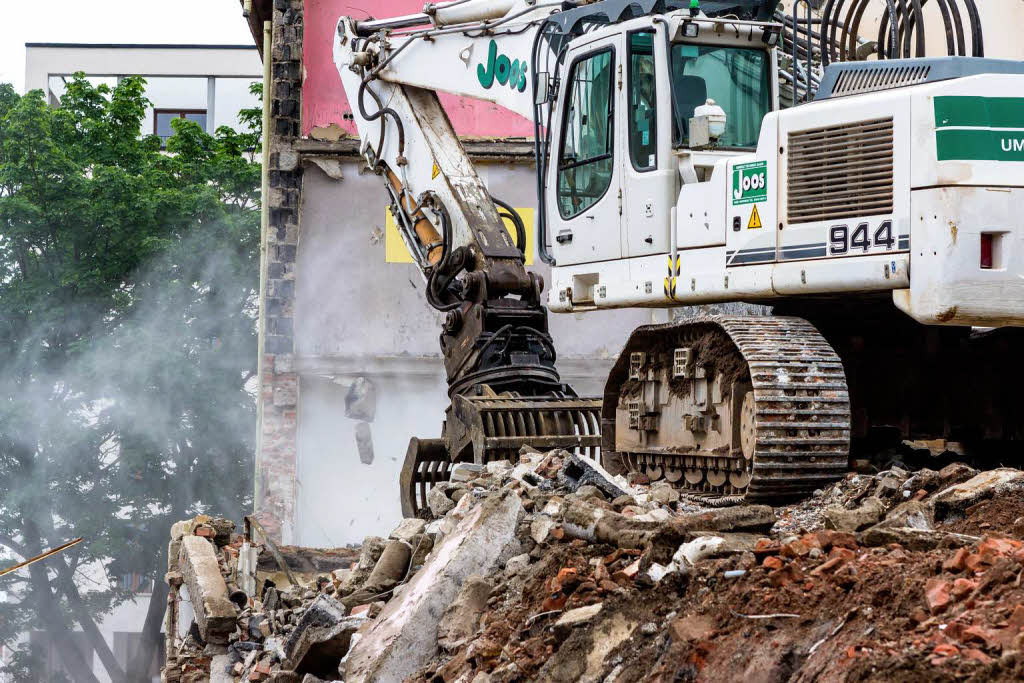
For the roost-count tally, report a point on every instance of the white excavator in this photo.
(880, 218)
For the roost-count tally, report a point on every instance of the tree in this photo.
(128, 283)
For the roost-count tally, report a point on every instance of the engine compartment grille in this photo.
(840, 171)
(874, 79)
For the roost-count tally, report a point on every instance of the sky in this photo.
(113, 21)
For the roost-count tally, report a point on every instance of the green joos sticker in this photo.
(979, 128)
(750, 183)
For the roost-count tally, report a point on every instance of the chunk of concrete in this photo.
(610, 630)
(914, 539)
(321, 638)
(541, 527)
(391, 568)
(404, 636)
(664, 493)
(580, 616)
(498, 467)
(465, 471)
(438, 502)
(220, 669)
(215, 613)
(361, 400)
(868, 514)
(461, 618)
(747, 518)
(913, 514)
(577, 472)
(408, 529)
(981, 487)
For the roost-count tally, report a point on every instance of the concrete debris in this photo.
(578, 471)
(321, 637)
(404, 636)
(215, 613)
(461, 618)
(361, 400)
(575, 617)
(408, 529)
(983, 486)
(868, 514)
(439, 503)
(466, 471)
(915, 539)
(552, 569)
(364, 443)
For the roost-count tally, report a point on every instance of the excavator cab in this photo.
(620, 144)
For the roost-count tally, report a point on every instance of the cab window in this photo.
(736, 78)
(586, 158)
(643, 103)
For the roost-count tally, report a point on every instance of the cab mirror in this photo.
(542, 93)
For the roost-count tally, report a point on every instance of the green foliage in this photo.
(128, 280)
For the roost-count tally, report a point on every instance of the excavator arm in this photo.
(498, 354)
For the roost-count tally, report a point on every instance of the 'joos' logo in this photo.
(500, 68)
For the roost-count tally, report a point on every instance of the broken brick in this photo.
(957, 562)
(976, 655)
(772, 562)
(828, 566)
(962, 588)
(936, 594)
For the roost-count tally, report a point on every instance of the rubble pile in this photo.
(552, 569)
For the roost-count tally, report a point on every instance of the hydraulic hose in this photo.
(381, 111)
(517, 221)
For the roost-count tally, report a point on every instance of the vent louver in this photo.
(840, 171)
(857, 81)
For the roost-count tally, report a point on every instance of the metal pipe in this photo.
(474, 10)
(365, 28)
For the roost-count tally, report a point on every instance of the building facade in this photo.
(208, 84)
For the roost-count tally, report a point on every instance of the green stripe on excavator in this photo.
(969, 128)
(979, 112)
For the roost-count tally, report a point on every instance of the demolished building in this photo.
(530, 571)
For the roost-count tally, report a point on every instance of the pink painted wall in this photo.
(323, 99)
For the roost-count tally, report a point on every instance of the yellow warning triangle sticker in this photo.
(436, 172)
(755, 219)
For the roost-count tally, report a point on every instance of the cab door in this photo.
(648, 168)
(583, 193)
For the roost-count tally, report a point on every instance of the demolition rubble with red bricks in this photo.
(551, 569)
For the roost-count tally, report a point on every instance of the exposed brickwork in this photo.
(279, 390)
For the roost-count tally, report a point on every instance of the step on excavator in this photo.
(700, 152)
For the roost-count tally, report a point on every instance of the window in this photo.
(737, 79)
(162, 121)
(136, 583)
(643, 103)
(585, 163)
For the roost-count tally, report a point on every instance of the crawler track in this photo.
(799, 424)
(802, 406)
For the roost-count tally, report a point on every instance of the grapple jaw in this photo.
(487, 428)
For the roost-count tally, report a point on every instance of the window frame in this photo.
(181, 114)
(629, 92)
(559, 167)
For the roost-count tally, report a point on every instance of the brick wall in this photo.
(279, 390)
